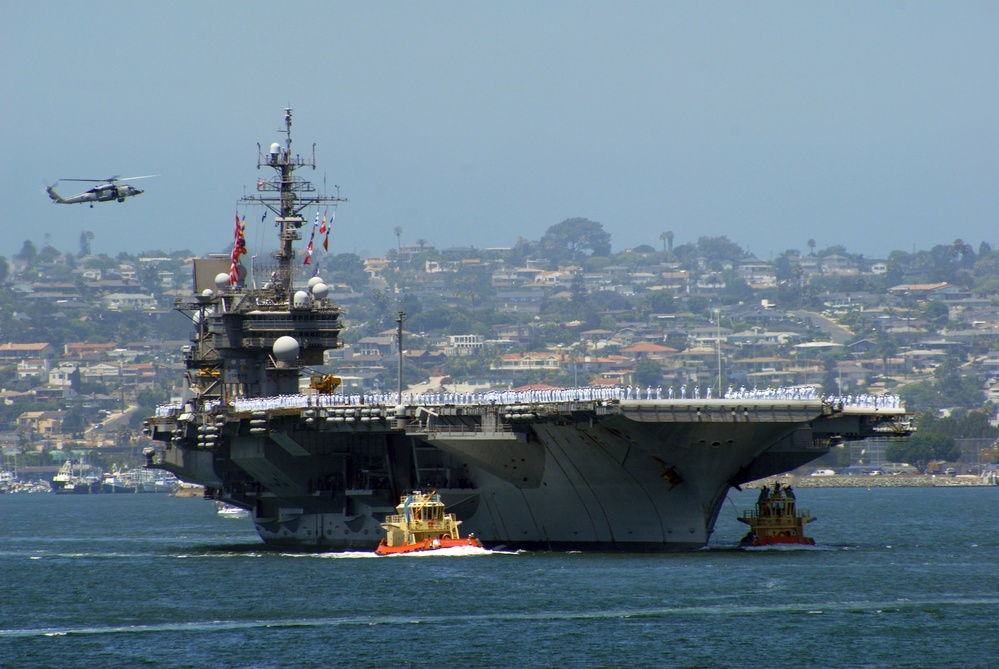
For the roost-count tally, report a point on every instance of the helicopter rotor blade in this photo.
(111, 180)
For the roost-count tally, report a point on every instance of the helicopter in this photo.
(106, 190)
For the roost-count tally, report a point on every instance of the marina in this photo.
(80, 478)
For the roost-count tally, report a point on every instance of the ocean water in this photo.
(905, 577)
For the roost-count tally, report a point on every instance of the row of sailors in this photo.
(866, 401)
(543, 395)
(782, 393)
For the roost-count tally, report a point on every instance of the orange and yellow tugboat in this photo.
(422, 525)
(776, 519)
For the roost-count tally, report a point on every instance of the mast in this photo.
(252, 342)
(287, 195)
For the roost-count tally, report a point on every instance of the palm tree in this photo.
(398, 236)
(811, 247)
(667, 238)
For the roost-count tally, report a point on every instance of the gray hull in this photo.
(641, 475)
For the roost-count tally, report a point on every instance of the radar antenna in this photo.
(287, 195)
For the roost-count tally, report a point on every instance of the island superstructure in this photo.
(576, 469)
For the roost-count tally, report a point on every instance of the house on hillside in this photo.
(931, 291)
(648, 351)
(14, 352)
(100, 372)
(41, 422)
(138, 374)
(530, 360)
(32, 367)
(128, 301)
(424, 358)
(462, 345)
(862, 347)
(62, 375)
(87, 350)
(382, 344)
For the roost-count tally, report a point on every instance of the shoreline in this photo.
(867, 481)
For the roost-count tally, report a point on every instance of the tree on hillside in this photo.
(986, 271)
(48, 254)
(922, 447)
(736, 288)
(720, 248)
(577, 288)
(472, 283)
(648, 373)
(948, 389)
(521, 251)
(959, 424)
(28, 253)
(697, 304)
(936, 313)
(575, 239)
(659, 302)
(346, 268)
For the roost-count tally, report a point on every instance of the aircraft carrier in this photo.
(559, 471)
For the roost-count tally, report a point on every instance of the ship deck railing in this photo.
(775, 518)
(560, 400)
(459, 430)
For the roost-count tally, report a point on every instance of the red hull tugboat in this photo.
(776, 519)
(422, 525)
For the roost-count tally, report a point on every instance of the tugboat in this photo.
(776, 519)
(422, 525)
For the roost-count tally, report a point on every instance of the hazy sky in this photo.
(871, 124)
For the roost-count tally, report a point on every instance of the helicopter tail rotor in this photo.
(52, 194)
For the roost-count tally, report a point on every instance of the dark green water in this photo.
(901, 578)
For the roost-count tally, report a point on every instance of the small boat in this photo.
(230, 511)
(8, 480)
(776, 519)
(117, 481)
(79, 478)
(422, 525)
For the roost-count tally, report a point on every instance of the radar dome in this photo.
(221, 280)
(301, 299)
(285, 348)
(314, 280)
(275, 148)
(207, 292)
(197, 315)
(320, 291)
